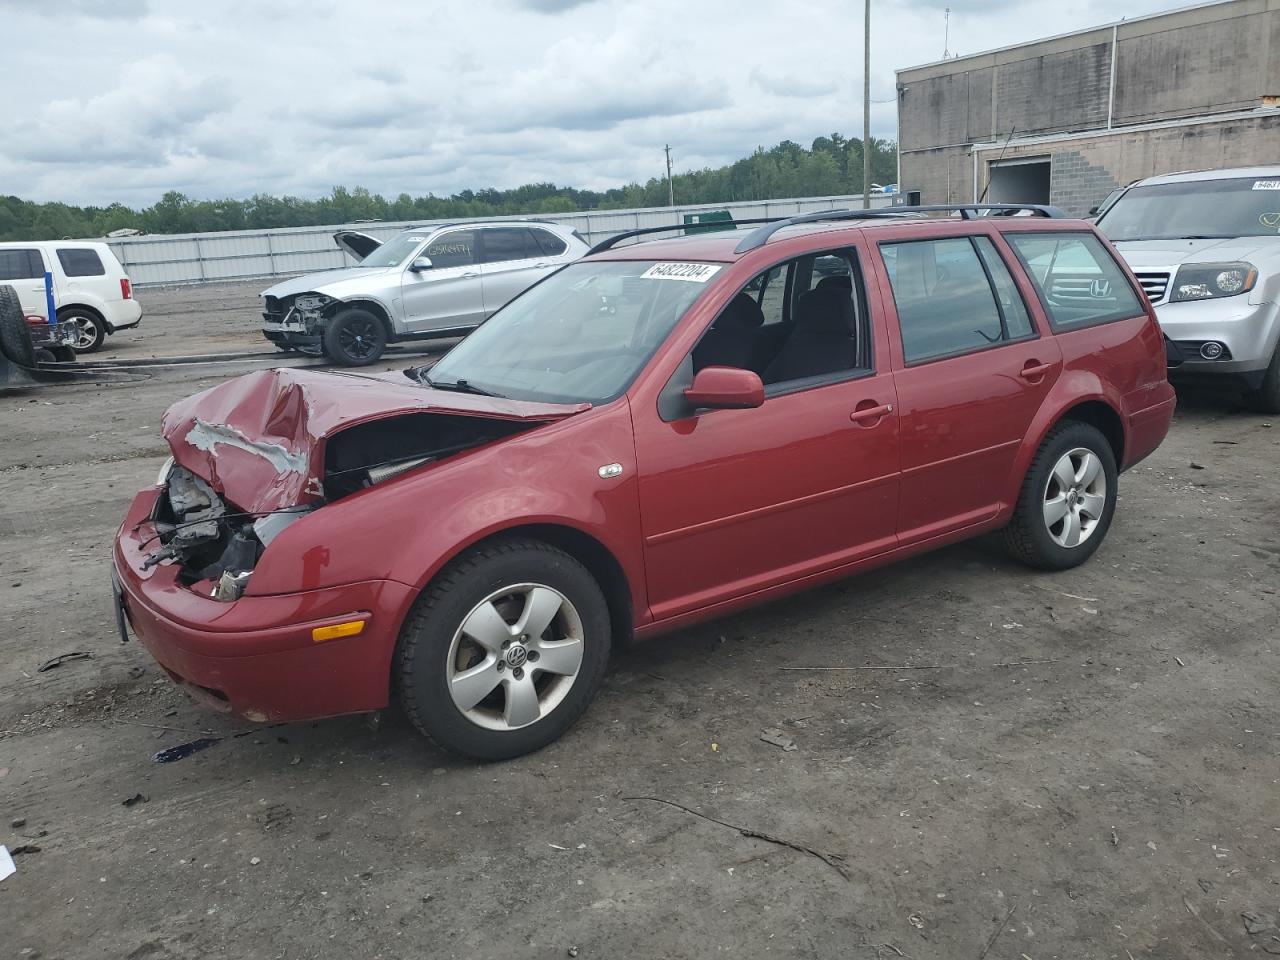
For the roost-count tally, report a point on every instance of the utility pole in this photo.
(866, 112)
(671, 187)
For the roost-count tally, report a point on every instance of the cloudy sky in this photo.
(125, 99)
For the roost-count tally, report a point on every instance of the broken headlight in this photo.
(311, 302)
(165, 470)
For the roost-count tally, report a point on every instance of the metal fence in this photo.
(254, 254)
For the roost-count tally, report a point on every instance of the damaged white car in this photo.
(426, 282)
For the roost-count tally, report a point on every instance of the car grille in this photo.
(273, 309)
(1154, 285)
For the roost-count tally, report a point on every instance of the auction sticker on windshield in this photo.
(692, 272)
(1266, 184)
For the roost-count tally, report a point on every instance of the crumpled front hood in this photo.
(329, 282)
(258, 439)
(1141, 254)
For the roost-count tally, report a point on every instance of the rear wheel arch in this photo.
(70, 308)
(1105, 418)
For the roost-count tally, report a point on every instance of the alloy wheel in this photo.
(86, 331)
(515, 656)
(360, 337)
(1075, 497)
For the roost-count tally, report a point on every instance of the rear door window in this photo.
(945, 301)
(506, 243)
(1076, 277)
(80, 262)
(454, 249)
(21, 264)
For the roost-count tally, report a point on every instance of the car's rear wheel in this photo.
(91, 330)
(504, 651)
(1266, 399)
(1067, 499)
(355, 337)
(63, 354)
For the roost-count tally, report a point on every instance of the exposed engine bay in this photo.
(216, 544)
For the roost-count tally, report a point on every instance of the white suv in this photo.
(90, 288)
(426, 282)
(1205, 246)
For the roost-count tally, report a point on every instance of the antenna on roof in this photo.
(946, 34)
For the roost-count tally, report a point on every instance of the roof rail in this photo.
(968, 211)
(727, 224)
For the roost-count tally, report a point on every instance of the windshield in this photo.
(393, 252)
(1218, 209)
(580, 336)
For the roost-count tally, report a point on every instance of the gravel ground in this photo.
(1079, 765)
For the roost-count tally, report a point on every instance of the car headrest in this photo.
(742, 313)
(826, 310)
(838, 282)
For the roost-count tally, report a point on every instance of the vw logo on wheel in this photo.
(517, 655)
(1100, 288)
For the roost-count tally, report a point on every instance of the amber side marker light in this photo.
(336, 631)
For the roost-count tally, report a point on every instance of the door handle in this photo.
(868, 414)
(540, 266)
(469, 276)
(1034, 369)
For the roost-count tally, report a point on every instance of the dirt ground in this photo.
(1018, 765)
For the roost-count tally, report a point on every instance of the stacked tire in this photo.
(15, 338)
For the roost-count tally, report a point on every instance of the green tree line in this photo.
(830, 165)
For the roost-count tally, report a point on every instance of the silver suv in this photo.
(426, 282)
(1206, 248)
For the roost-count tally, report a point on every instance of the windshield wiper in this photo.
(460, 386)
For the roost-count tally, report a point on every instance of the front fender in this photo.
(409, 528)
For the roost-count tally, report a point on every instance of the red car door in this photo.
(735, 501)
(974, 363)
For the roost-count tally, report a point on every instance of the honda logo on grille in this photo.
(1100, 288)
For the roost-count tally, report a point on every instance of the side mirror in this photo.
(419, 264)
(725, 388)
(1093, 211)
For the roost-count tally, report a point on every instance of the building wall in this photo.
(1084, 170)
(1202, 61)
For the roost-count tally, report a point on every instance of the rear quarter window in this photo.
(1077, 279)
(80, 262)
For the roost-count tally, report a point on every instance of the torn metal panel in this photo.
(208, 436)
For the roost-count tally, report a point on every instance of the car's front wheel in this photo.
(1266, 399)
(91, 330)
(504, 651)
(355, 337)
(1067, 499)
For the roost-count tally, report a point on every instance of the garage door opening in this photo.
(1020, 181)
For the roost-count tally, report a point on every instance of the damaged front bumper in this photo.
(256, 657)
(299, 323)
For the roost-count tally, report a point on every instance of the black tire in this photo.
(1029, 537)
(93, 329)
(355, 337)
(427, 640)
(15, 337)
(45, 355)
(64, 354)
(1266, 399)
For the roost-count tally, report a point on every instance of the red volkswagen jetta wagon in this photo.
(662, 432)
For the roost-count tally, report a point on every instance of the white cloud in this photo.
(234, 97)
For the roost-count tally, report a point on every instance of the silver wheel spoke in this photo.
(1091, 505)
(1089, 470)
(1065, 476)
(540, 606)
(562, 656)
(1071, 529)
(522, 702)
(486, 627)
(471, 686)
(1055, 509)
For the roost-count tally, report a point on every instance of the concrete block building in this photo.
(1068, 119)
